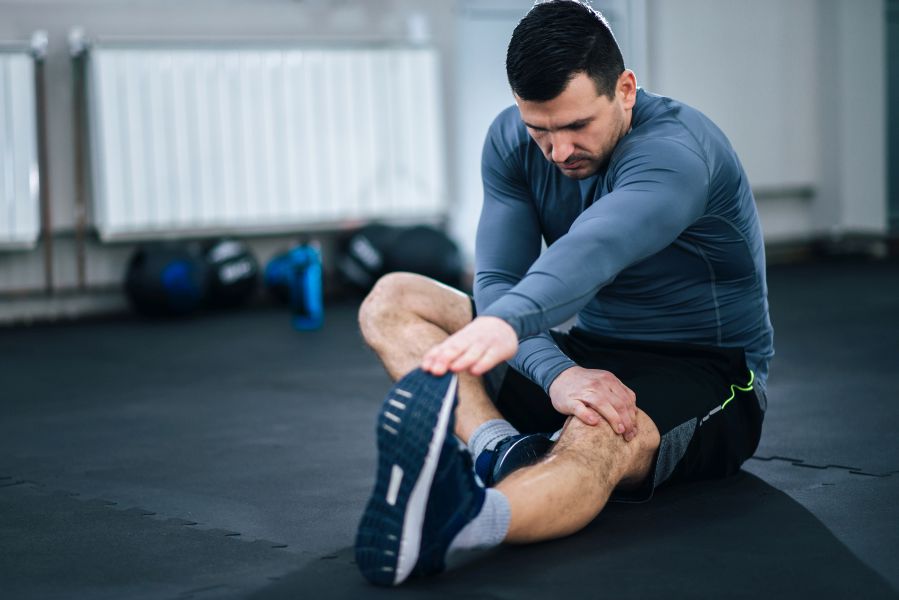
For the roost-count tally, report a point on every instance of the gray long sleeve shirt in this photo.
(663, 245)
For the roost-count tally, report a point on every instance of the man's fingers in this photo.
(464, 360)
(477, 347)
(602, 393)
(438, 359)
(429, 362)
(627, 421)
(619, 418)
(632, 432)
(626, 399)
(589, 415)
(625, 405)
(453, 354)
(487, 361)
(477, 361)
(609, 413)
(585, 414)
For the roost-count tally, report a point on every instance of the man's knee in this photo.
(383, 302)
(400, 296)
(627, 461)
(385, 294)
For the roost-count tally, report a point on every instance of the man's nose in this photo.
(561, 149)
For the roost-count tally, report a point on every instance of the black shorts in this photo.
(701, 398)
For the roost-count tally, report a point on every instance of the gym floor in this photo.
(228, 455)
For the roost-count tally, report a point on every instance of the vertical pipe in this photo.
(78, 52)
(893, 116)
(39, 50)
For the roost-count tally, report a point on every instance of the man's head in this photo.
(569, 81)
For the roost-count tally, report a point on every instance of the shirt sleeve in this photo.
(508, 242)
(660, 188)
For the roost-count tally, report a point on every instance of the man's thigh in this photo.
(697, 396)
(435, 302)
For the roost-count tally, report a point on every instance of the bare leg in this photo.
(565, 491)
(403, 317)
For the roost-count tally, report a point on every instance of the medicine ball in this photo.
(233, 273)
(295, 278)
(428, 251)
(283, 269)
(166, 279)
(276, 277)
(362, 260)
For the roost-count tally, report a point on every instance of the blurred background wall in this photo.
(806, 90)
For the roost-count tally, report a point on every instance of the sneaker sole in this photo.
(411, 429)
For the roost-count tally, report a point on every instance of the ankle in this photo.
(488, 434)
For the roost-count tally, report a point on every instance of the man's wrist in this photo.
(555, 374)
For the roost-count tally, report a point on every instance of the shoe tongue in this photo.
(483, 465)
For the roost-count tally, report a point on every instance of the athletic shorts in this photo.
(702, 399)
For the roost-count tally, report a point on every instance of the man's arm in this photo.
(508, 242)
(659, 192)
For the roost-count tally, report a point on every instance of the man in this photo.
(653, 243)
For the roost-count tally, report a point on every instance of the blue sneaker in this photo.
(425, 491)
(511, 454)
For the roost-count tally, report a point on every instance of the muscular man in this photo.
(653, 243)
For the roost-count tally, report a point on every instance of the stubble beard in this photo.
(591, 166)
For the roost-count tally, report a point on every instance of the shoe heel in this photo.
(404, 428)
(376, 551)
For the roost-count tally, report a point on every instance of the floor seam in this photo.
(10, 482)
(798, 462)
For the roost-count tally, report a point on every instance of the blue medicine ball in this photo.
(167, 279)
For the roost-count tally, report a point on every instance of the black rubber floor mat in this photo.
(53, 545)
(832, 393)
(860, 510)
(739, 538)
(260, 434)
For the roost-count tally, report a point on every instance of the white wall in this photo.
(893, 111)
(482, 34)
(746, 64)
(854, 124)
(798, 87)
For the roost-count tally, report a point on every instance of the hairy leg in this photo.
(403, 317)
(565, 491)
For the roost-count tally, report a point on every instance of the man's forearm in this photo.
(540, 360)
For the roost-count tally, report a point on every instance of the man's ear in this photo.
(626, 88)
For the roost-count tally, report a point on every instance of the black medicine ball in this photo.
(363, 257)
(428, 251)
(233, 273)
(166, 279)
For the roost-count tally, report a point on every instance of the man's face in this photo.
(578, 129)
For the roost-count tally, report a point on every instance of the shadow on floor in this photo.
(736, 538)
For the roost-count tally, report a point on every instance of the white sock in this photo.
(486, 530)
(488, 434)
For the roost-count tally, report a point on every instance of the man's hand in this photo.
(591, 394)
(476, 348)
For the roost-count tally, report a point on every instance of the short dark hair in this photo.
(555, 41)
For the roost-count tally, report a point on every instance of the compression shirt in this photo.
(663, 244)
